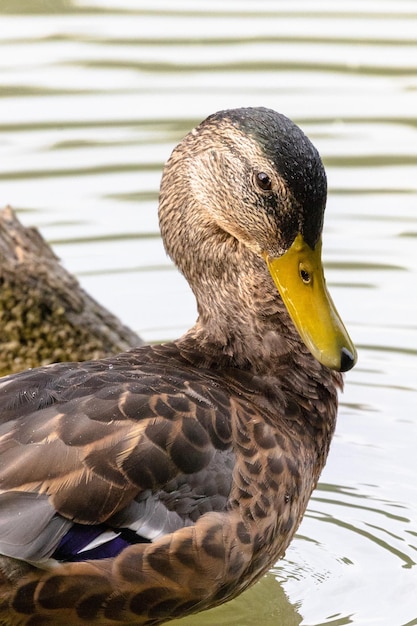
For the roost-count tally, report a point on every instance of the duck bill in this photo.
(298, 275)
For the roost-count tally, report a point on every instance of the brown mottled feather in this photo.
(227, 429)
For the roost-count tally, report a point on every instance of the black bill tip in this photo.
(347, 360)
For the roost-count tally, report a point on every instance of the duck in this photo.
(166, 480)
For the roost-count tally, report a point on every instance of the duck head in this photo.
(249, 179)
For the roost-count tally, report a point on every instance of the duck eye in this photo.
(263, 181)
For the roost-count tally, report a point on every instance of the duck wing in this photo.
(130, 442)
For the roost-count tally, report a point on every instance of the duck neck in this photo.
(242, 320)
(243, 325)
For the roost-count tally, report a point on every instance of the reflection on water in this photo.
(93, 96)
(266, 601)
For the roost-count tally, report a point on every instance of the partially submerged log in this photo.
(45, 316)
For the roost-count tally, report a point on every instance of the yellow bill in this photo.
(298, 275)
